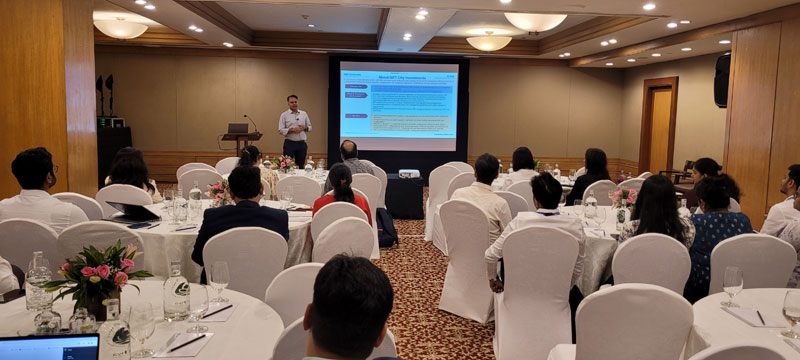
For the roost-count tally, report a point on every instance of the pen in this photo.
(218, 310)
(186, 228)
(152, 226)
(186, 343)
(761, 318)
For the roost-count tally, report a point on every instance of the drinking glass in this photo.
(290, 197)
(572, 175)
(285, 200)
(198, 305)
(219, 279)
(732, 283)
(562, 202)
(600, 217)
(578, 207)
(167, 199)
(791, 310)
(195, 211)
(141, 320)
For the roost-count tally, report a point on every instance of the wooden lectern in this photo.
(241, 137)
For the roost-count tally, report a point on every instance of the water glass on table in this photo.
(578, 207)
(198, 305)
(562, 202)
(572, 175)
(220, 277)
(791, 310)
(732, 283)
(600, 217)
(141, 321)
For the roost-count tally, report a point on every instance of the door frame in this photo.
(651, 85)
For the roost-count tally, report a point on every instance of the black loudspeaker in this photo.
(721, 77)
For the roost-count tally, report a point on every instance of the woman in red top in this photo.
(340, 179)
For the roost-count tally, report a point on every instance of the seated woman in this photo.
(340, 178)
(128, 168)
(656, 211)
(712, 226)
(252, 156)
(596, 165)
(523, 165)
(791, 234)
(703, 168)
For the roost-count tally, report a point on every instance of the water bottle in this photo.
(557, 173)
(501, 166)
(176, 294)
(309, 166)
(511, 168)
(195, 202)
(36, 298)
(115, 335)
(684, 211)
(623, 214)
(591, 205)
(181, 206)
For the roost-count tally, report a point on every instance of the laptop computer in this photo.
(238, 128)
(51, 347)
(132, 213)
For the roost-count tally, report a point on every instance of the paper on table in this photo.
(751, 318)
(190, 350)
(221, 316)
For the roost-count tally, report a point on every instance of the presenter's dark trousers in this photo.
(297, 150)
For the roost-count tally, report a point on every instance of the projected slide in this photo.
(399, 106)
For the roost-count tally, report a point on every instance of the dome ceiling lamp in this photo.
(120, 28)
(489, 42)
(535, 23)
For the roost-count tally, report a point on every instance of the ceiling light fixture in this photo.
(423, 12)
(489, 42)
(505, 1)
(150, 7)
(649, 6)
(609, 64)
(311, 25)
(198, 30)
(535, 22)
(140, 2)
(561, 55)
(407, 37)
(420, 17)
(686, 22)
(567, 54)
(686, 49)
(227, 44)
(192, 27)
(631, 60)
(120, 28)
(656, 54)
(724, 42)
(612, 41)
(604, 43)
(672, 25)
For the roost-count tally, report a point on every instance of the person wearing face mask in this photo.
(36, 174)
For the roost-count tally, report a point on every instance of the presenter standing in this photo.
(293, 125)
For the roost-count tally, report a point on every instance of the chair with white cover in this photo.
(652, 258)
(645, 175)
(461, 166)
(459, 181)
(226, 165)
(90, 206)
(515, 202)
(202, 176)
(738, 352)
(332, 212)
(532, 314)
(765, 261)
(254, 255)
(466, 291)
(192, 166)
(365, 161)
(291, 345)
(121, 193)
(305, 190)
(371, 186)
(629, 322)
(19, 238)
(100, 234)
(635, 183)
(523, 188)
(292, 290)
(381, 175)
(733, 206)
(267, 190)
(438, 181)
(601, 189)
(581, 171)
(349, 235)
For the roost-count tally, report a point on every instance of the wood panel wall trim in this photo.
(588, 30)
(153, 35)
(384, 19)
(518, 61)
(646, 128)
(459, 45)
(267, 54)
(315, 40)
(220, 17)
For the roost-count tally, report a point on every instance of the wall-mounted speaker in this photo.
(721, 77)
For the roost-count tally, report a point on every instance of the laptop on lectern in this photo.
(51, 347)
(238, 128)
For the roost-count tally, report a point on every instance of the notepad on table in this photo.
(190, 350)
(750, 316)
(221, 316)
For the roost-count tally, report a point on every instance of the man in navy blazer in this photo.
(246, 190)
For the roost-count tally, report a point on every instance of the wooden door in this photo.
(657, 139)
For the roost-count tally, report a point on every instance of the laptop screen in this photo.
(59, 347)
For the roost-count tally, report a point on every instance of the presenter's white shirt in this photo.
(291, 119)
(495, 207)
(779, 216)
(40, 206)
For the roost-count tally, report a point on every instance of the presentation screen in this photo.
(391, 106)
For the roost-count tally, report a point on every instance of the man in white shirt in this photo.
(546, 194)
(293, 125)
(480, 193)
(8, 281)
(782, 213)
(36, 174)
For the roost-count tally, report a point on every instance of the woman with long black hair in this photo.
(596, 164)
(129, 168)
(656, 211)
(251, 156)
(340, 179)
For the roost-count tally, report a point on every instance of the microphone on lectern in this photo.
(254, 123)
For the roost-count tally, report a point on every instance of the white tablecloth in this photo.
(162, 244)
(320, 178)
(250, 332)
(497, 184)
(713, 326)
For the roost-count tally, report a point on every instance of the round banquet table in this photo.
(599, 249)
(250, 333)
(713, 326)
(163, 244)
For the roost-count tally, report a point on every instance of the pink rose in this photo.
(283, 164)
(127, 265)
(619, 192)
(632, 192)
(218, 196)
(630, 200)
(88, 271)
(65, 267)
(103, 271)
(121, 279)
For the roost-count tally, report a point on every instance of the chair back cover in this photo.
(305, 189)
(632, 322)
(332, 212)
(652, 258)
(267, 190)
(523, 188)
(738, 352)
(635, 183)
(438, 181)
(459, 181)
(371, 186)
(19, 238)
(461, 166)
(515, 202)
(733, 206)
(226, 165)
(90, 206)
(254, 255)
(601, 189)
(204, 177)
(581, 171)
(292, 290)
(532, 315)
(291, 345)
(381, 175)
(192, 166)
(349, 235)
(121, 193)
(365, 161)
(645, 175)
(466, 291)
(100, 234)
(765, 261)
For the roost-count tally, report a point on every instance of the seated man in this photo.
(546, 194)
(349, 152)
(480, 193)
(783, 213)
(347, 317)
(246, 189)
(36, 174)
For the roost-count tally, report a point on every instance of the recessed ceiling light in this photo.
(612, 41)
(198, 30)
(420, 17)
(150, 7)
(656, 54)
(423, 12)
(672, 25)
(604, 43)
(140, 2)
(311, 25)
(649, 6)
(505, 1)
(724, 42)
(567, 54)
(631, 60)
(686, 22)
(192, 27)
(686, 49)
(227, 44)
(609, 64)
(408, 35)
(560, 55)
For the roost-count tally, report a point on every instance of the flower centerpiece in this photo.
(220, 193)
(617, 197)
(283, 163)
(94, 276)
